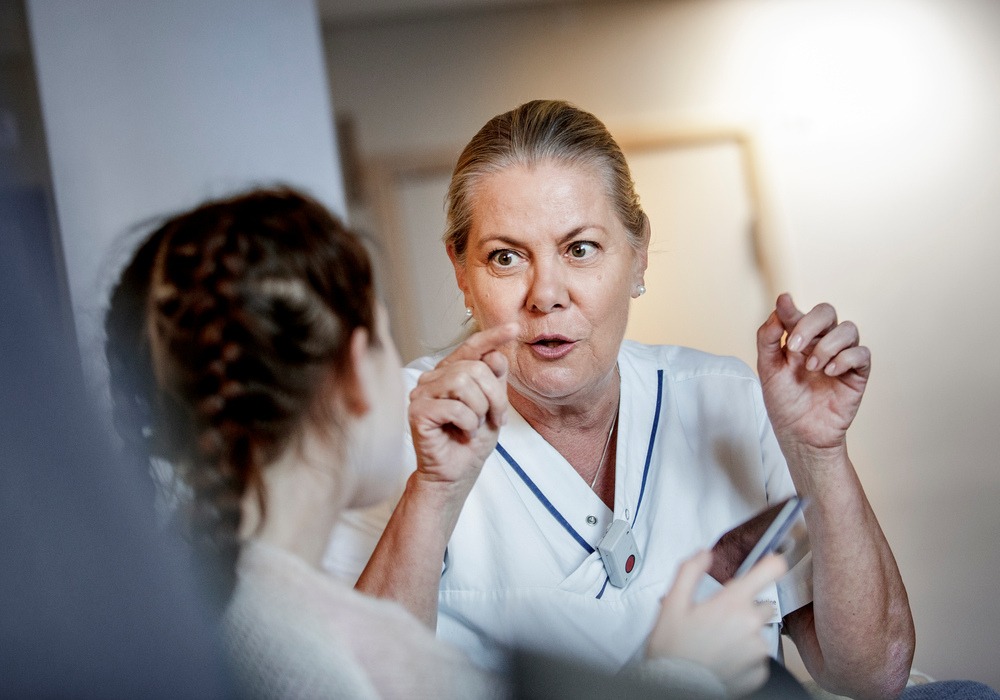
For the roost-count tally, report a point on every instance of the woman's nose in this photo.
(548, 290)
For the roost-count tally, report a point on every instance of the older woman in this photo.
(664, 447)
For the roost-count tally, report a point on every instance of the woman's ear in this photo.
(642, 253)
(359, 382)
(647, 234)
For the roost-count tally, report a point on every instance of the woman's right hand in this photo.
(457, 408)
(722, 633)
(456, 411)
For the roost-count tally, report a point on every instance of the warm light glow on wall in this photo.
(862, 65)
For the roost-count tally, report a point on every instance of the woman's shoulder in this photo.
(270, 578)
(682, 363)
(291, 625)
(274, 634)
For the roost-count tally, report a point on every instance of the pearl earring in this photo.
(468, 312)
(640, 290)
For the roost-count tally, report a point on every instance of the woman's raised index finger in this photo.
(480, 344)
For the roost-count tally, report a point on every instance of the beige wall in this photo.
(876, 127)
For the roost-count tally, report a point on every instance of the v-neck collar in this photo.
(552, 481)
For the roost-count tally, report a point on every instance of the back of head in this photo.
(542, 130)
(221, 333)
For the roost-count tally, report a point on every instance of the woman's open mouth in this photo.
(551, 347)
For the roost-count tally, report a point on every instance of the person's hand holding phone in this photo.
(735, 547)
(722, 633)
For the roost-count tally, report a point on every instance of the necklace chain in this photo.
(604, 452)
(607, 443)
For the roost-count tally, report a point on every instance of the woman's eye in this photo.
(503, 258)
(582, 249)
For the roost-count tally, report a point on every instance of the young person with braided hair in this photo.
(249, 330)
(247, 349)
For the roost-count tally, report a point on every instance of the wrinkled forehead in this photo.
(541, 201)
(591, 163)
(494, 178)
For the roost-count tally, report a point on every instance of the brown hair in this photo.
(536, 131)
(220, 334)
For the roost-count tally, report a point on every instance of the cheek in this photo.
(498, 301)
(386, 458)
(380, 462)
(617, 301)
(395, 396)
(400, 418)
(606, 307)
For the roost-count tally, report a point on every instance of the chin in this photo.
(554, 392)
(555, 378)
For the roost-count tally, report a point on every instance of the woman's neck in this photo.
(593, 412)
(580, 433)
(304, 494)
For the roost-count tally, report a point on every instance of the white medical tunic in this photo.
(695, 456)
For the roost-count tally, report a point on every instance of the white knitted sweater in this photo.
(295, 632)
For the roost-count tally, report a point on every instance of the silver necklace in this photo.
(604, 453)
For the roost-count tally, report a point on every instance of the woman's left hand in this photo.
(814, 380)
(856, 638)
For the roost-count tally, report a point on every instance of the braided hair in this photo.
(221, 333)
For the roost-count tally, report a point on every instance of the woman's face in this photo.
(547, 249)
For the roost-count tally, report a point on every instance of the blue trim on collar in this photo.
(652, 439)
(544, 501)
(642, 490)
(603, 588)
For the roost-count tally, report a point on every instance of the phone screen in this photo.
(775, 536)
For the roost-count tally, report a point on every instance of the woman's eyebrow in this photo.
(562, 240)
(500, 239)
(570, 235)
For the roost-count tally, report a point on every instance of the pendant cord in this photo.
(607, 443)
(604, 453)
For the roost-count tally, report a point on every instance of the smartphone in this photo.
(778, 537)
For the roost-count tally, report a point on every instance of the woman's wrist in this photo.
(816, 469)
(436, 500)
